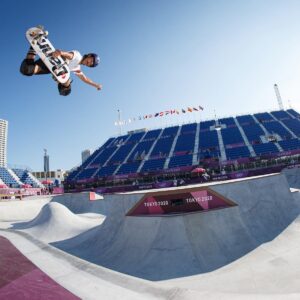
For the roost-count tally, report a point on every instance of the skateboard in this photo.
(38, 39)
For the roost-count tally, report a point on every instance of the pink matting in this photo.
(21, 279)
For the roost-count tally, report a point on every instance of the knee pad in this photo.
(27, 67)
(64, 90)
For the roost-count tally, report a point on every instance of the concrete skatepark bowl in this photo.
(225, 240)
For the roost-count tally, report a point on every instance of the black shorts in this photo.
(44, 69)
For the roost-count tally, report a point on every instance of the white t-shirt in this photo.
(74, 63)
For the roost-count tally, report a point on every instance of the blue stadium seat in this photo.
(180, 161)
(253, 133)
(267, 148)
(27, 178)
(170, 132)
(119, 140)
(153, 165)
(276, 128)
(104, 155)
(245, 120)
(121, 154)
(135, 137)
(185, 143)
(162, 147)
(152, 135)
(208, 139)
(293, 125)
(263, 117)
(139, 144)
(8, 179)
(294, 113)
(280, 114)
(188, 128)
(208, 154)
(205, 125)
(232, 136)
(106, 171)
(141, 150)
(96, 153)
(72, 175)
(291, 144)
(87, 173)
(237, 152)
(229, 122)
(129, 168)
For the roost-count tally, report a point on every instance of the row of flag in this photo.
(160, 114)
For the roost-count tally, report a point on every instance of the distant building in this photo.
(52, 176)
(46, 162)
(85, 155)
(3, 142)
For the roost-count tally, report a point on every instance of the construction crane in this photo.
(279, 100)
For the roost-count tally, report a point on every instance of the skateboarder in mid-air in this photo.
(73, 59)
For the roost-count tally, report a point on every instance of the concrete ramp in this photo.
(26, 209)
(271, 271)
(172, 246)
(55, 222)
(293, 177)
(85, 202)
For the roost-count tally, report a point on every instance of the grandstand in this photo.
(226, 144)
(17, 178)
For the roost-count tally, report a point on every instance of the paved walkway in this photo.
(21, 279)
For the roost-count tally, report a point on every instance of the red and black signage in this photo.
(180, 202)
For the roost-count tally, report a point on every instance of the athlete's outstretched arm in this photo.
(64, 54)
(89, 81)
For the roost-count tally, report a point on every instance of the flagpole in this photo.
(216, 119)
(119, 122)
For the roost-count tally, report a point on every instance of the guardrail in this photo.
(11, 196)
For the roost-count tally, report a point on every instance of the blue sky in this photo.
(155, 55)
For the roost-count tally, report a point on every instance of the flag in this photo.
(159, 114)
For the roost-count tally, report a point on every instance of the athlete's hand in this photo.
(56, 53)
(99, 87)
